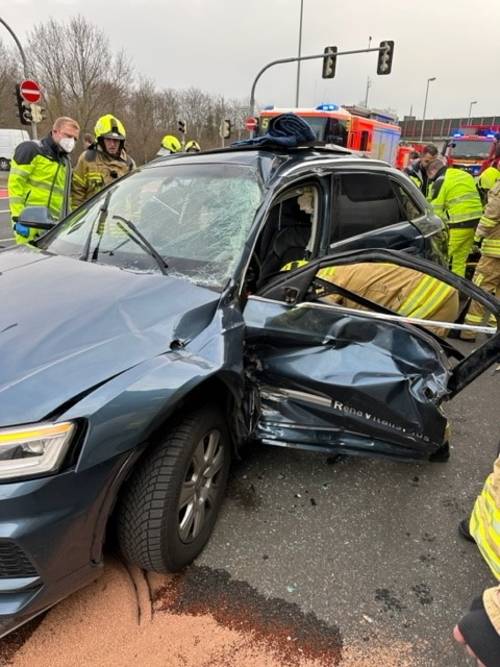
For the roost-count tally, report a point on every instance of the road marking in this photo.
(10, 238)
(4, 210)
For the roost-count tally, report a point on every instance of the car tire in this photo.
(171, 502)
(4, 164)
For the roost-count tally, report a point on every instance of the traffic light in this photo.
(225, 129)
(23, 108)
(37, 113)
(385, 56)
(329, 62)
(182, 126)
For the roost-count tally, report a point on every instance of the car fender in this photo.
(123, 413)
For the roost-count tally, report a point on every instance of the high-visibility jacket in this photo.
(488, 178)
(37, 177)
(489, 224)
(455, 199)
(405, 291)
(94, 170)
(485, 520)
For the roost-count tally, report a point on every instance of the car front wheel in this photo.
(170, 504)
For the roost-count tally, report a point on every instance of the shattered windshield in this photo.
(194, 218)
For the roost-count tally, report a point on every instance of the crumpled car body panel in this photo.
(345, 381)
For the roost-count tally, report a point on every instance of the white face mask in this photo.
(67, 144)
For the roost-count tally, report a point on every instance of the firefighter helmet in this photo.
(171, 143)
(192, 147)
(109, 127)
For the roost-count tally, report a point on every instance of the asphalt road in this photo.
(353, 552)
(369, 547)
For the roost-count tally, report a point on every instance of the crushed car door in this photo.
(337, 378)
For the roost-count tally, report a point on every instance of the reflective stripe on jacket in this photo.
(485, 521)
(37, 178)
(405, 291)
(455, 198)
(94, 170)
(489, 224)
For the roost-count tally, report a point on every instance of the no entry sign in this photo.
(251, 123)
(30, 91)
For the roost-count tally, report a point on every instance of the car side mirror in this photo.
(37, 217)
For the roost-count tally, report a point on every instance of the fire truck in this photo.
(370, 132)
(470, 146)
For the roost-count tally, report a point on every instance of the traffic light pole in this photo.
(282, 61)
(34, 134)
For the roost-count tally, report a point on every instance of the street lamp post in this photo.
(25, 67)
(470, 111)
(368, 80)
(432, 78)
(299, 54)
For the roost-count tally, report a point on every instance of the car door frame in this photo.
(336, 245)
(291, 288)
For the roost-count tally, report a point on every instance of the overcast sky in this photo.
(219, 45)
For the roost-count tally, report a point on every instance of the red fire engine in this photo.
(470, 145)
(368, 131)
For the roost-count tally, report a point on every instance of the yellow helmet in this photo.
(109, 127)
(171, 143)
(192, 147)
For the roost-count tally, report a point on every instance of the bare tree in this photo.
(75, 64)
(83, 78)
(9, 75)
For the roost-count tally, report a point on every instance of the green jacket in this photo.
(37, 177)
(455, 199)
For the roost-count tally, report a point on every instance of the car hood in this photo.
(67, 326)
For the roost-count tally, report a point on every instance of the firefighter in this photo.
(192, 147)
(489, 176)
(455, 199)
(404, 291)
(480, 627)
(417, 169)
(39, 175)
(487, 274)
(103, 162)
(169, 144)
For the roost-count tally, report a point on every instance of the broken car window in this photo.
(197, 217)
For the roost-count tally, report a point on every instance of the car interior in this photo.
(289, 234)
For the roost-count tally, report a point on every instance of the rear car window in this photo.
(363, 203)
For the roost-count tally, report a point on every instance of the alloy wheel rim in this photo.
(200, 487)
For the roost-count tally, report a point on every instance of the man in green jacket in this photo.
(455, 199)
(39, 176)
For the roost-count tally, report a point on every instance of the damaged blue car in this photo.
(180, 314)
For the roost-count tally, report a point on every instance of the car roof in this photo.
(274, 162)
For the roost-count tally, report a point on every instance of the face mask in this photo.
(67, 144)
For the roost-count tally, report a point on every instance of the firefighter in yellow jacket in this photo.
(405, 291)
(455, 199)
(103, 162)
(487, 274)
(480, 628)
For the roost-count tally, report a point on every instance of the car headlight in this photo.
(32, 450)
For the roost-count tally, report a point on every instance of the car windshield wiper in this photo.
(100, 220)
(142, 241)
